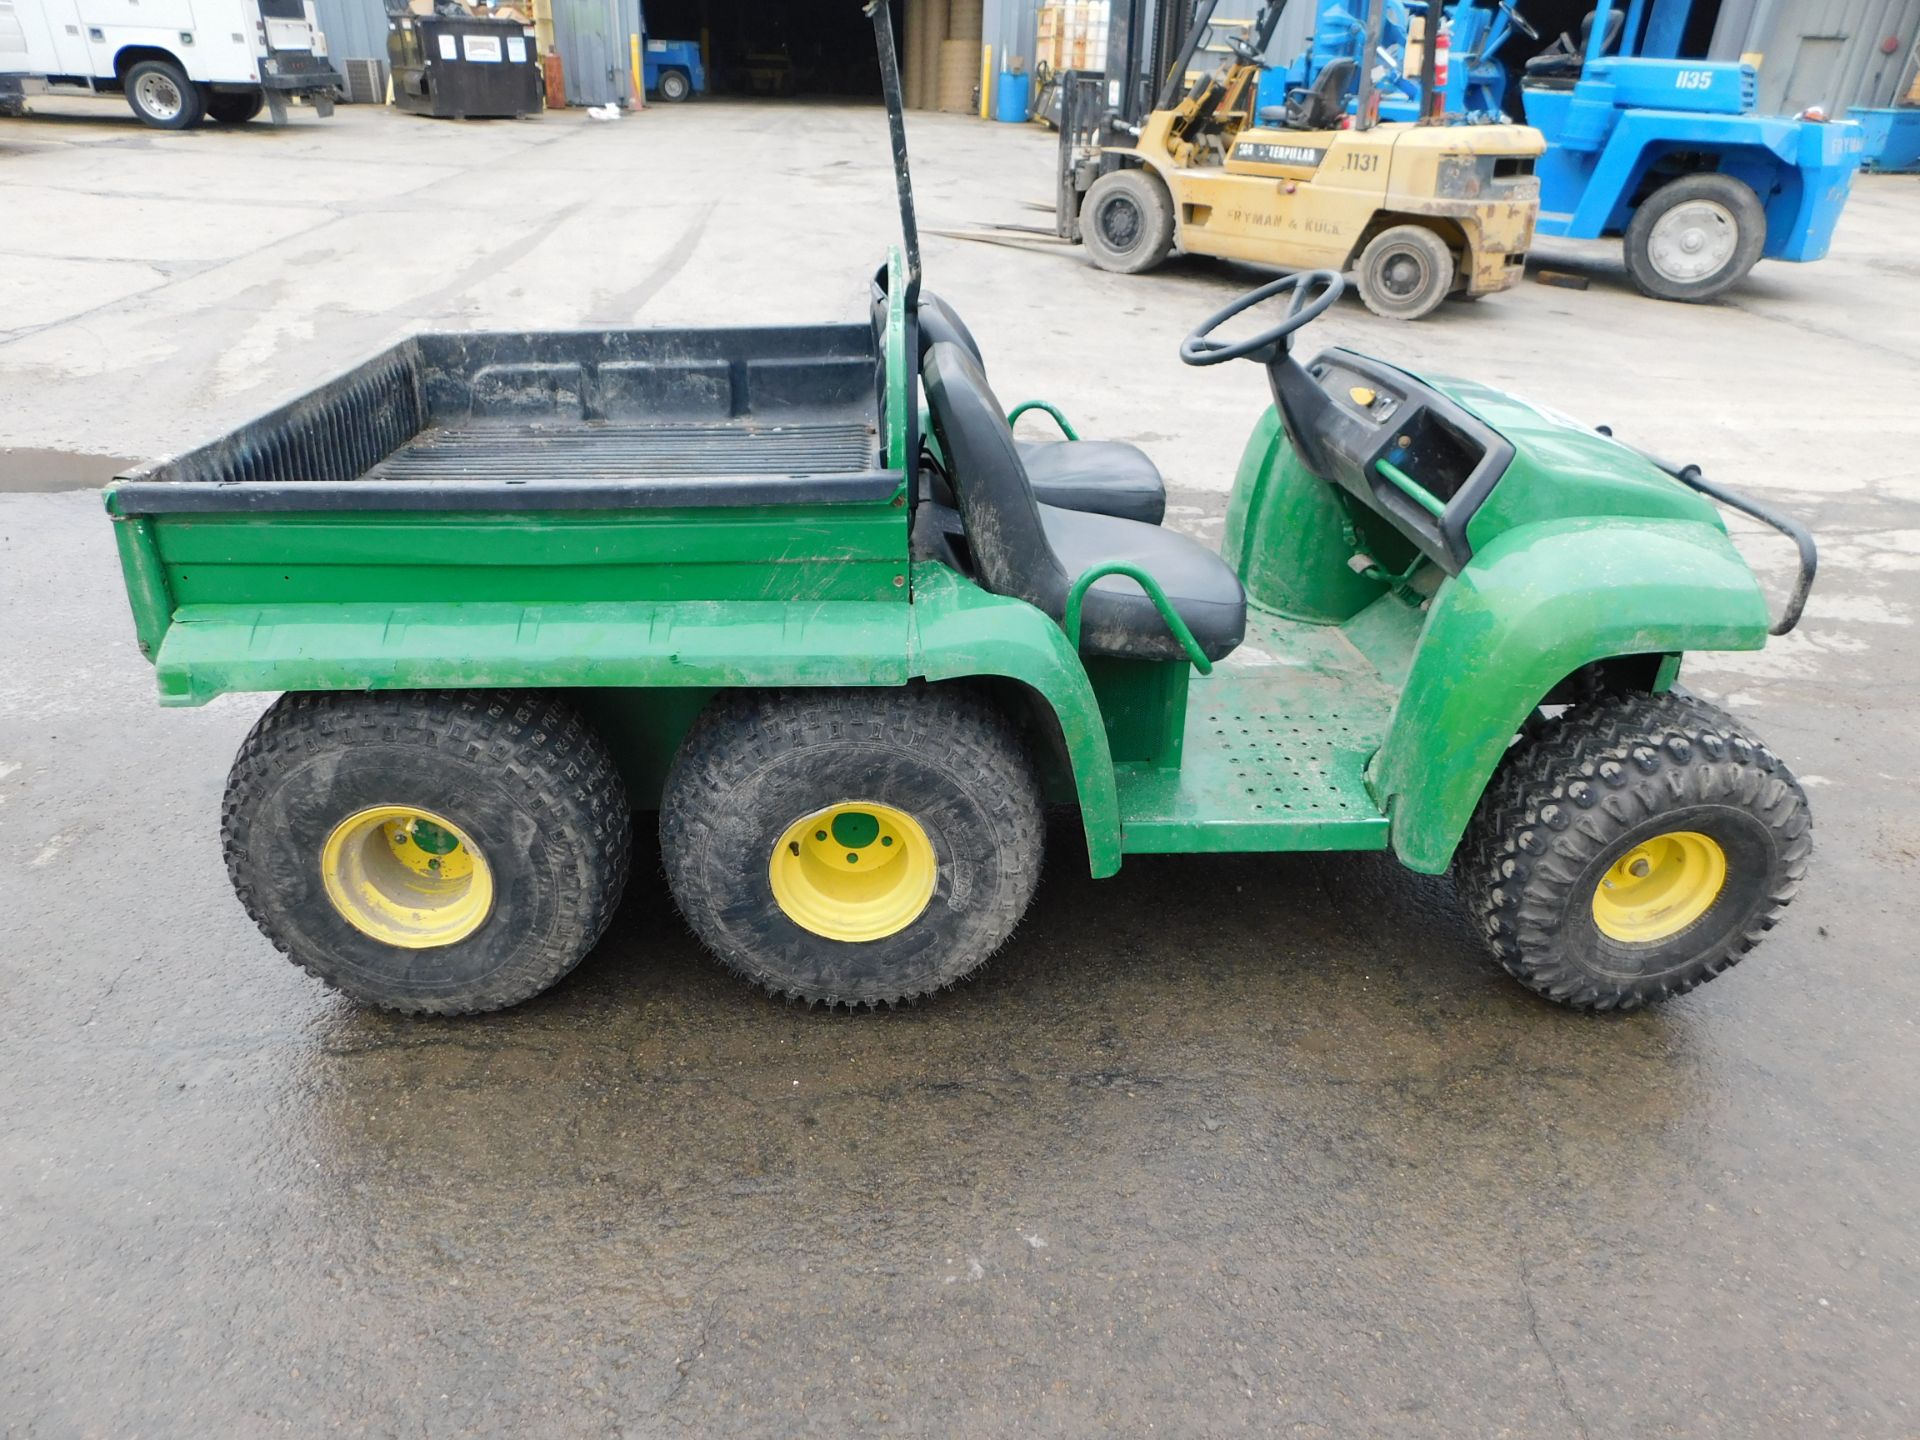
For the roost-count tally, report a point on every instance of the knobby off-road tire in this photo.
(1599, 803)
(781, 803)
(439, 852)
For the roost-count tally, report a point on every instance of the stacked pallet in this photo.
(1071, 34)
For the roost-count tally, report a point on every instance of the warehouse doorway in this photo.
(783, 49)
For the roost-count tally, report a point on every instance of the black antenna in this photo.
(882, 17)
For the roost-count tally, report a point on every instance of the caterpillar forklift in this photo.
(1416, 212)
(519, 592)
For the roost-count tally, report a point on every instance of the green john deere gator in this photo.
(516, 589)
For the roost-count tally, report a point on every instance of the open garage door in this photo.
(789, 48)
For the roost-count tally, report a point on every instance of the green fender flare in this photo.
(1531, 608)
(961, 631)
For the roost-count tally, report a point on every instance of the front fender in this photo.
(1533, 607)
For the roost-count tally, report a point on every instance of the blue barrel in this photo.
(1010, 104)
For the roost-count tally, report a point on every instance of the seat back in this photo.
(1011, 555)
(941, 324)
(1320, 106)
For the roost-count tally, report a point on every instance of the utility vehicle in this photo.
(178, 62)
(1416, 212)
(519, 588)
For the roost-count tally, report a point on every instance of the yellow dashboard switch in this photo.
(1361, 396)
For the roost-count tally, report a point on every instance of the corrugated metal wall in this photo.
(355, 29)
(1820, 52)
(592, 37)
(1009, 27)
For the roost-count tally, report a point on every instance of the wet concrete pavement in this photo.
(1240, 1146)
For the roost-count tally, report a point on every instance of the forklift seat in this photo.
(1319, 106)
(1103, 477)
(1035, 552)
(1561, 63)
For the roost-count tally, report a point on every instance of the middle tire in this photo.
(856, 847)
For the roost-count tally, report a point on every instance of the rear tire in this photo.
(852, 847)
(1405, 272)
(1633, 851)
(231, 107)
(1695, 237)
(438, 852)
(675, 87)
(160, 94)
(1127, 221)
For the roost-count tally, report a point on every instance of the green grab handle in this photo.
(1411, 488)
(1013, 416)
(1076, 597)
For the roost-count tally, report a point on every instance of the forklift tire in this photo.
(1633, 850)
(674, 86)
(235, 107)
(1405, 272)
(1127, 221)
(852, 847)
(160, 94)
(1694, 237)
(435, 852)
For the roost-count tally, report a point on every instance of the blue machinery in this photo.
(1642, 143)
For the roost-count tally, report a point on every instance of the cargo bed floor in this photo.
(613, 450)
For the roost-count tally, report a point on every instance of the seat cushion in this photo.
(1118, 617)
(1104, 477)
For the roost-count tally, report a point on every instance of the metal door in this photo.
(593, 38)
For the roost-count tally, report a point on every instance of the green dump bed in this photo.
(480, 494)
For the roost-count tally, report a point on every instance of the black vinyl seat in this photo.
(1319, 106)
(1563, 61)
(1035, 552)
(1103, 477)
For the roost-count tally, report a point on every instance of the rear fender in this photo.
(962, 632)
(1536, 605)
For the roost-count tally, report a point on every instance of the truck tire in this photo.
(435, 853)
(1127, 221)
(1633, 851)
(675, 86)
(1694, 237)
(161, 95)
(235, 107)
(1405, 272)
(852, 847)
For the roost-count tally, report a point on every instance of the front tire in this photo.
(1632, 851)
(1405, 272)
(438, 853)
(1127, 221)
(1695, 237)
(675, 87)
(160, 94)
(856, 847)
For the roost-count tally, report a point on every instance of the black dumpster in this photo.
(463, 68)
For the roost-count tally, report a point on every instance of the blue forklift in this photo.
(1662, 150)
(671, 69)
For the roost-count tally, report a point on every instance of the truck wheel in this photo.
(1405, 272)
(159, 92)
(1127, 221)
(852, 847)
(1632, 851)
(674, 86)
(1694, 237)
(441, 852)
(234, 107)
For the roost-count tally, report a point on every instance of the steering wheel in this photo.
(1518, 21)
(1313, 292)
(1240, 46)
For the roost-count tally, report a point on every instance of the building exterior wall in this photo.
(1820, 52)
(355, 29)
(593, 38)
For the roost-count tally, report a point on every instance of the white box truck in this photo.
(178, 62)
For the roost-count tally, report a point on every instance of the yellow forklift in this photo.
(1415, 212)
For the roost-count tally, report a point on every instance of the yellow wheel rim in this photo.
(407, 877)
(1659, 887)
(855, 871)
